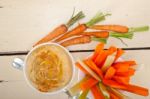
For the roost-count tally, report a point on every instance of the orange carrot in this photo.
(93, 66)
(136, 90)
(55, 33)
(110, 73)
(121, 80)
(116, 28)
(130, 72)
(101, 58)
(76, 40)
(111, 50)
(81, 68)
(121, 67)
(113, 96)
(113, 84)
(76, 31)
(98, 50)
(90, 82)
(82, 27)
(119, 53)
(99, 34)
(61, 29)
(97, 93)
(131, 63)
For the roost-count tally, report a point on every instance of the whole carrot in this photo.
(82, 27)
(99, 34)
(76, 40)
(116, 28)
(61, 29)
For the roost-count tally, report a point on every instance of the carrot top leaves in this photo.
(139, 29)
(104, 40)
(75, 18)
(97, 18)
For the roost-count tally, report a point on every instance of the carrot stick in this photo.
(88, 83)
(119, 53)
(113, 84)
(82, 27)
(99, 34)
(111, 50)
(136, 90)
(76, 40)
(113, 96)
(97, 93)
(101, 58)
(130, 72)
(130, 63)
(122, 80)
(110, 73)
(98, 50)
(121, 67)
(93, 66)
(116, 28)
(60, 29)
(81, 68)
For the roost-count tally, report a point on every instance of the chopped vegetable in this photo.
(97, 93)
(93, 66)
(98, 50)
(92, 73)
(110, 73)
(81, 68)
(122, 80)
(88, 84)
(83, 94)
(108, 62)
(119, 53)
(104, 90)
(75, 89)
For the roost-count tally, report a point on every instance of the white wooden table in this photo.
(23, 22)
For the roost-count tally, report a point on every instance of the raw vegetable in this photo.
(139, 29)
(75, 89)
(76, 40)
(98, 34)
(83, 94)
(98, 50)
(103, 40)
(108, 62)
(82, 27)
(61, 29)
(110, 73)
(104, 90)
(116, 28)
(97, 92)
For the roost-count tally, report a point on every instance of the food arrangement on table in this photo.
(106, 74)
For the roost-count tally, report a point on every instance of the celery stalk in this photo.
(83, 95)
(104, 91)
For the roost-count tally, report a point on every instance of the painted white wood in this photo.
(18, 88)
(24, 22)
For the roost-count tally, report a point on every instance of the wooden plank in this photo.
(23, 22)
(17, 88)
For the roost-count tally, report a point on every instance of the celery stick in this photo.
(104, 91)
(83, 95)
(74, 90)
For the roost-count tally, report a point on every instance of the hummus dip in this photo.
(49, 68)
